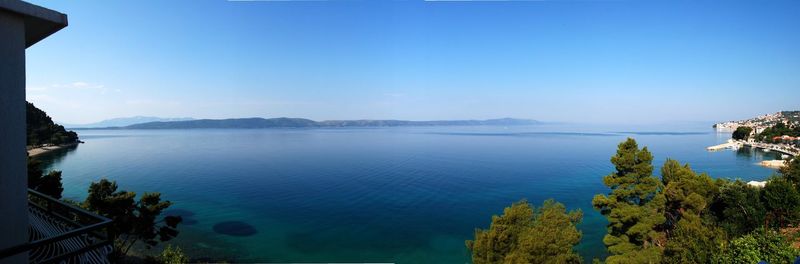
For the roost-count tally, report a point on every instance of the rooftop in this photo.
(40, 22)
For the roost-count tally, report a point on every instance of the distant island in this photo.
(284, 122)
(126, 121)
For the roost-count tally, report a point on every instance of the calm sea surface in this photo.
(405, 195)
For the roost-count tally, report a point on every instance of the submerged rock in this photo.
(235, 228)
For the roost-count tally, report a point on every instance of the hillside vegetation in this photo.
(42, 130)
(680, 217)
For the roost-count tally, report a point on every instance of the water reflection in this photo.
(55, 156)
(756, 154)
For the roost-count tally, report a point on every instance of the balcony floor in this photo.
(45, 225)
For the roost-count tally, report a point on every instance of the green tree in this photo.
(738, 208)
(671, 170)
(742, 133)
(133, 221)
(42, 130)
(782, 201)
(762, 245)
(634, 207)
(34, 172)
(692, 241)
(690, 238)
(778, 129)
(527, 235)
(792, 172)
(172, 255)
(686, 192)
(49, 184)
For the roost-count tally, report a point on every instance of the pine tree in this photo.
(691, 238)
(634, 207)
(529, 235)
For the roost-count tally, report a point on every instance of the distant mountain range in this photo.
(126, 121)
(284, 122)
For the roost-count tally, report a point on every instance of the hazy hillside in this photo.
(301, 122)
(126, 121)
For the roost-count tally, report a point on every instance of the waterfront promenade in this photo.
(782, 148)
(735, 144)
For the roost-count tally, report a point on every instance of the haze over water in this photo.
(405, 194)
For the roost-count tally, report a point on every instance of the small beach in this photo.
(41, 150)
(775, 164)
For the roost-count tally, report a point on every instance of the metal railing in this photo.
(63, 233)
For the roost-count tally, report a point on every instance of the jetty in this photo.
(731, 144)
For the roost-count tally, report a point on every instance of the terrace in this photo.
(62, 233)
(35, 228)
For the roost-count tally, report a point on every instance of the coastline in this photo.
(45, 149)
(773, 164)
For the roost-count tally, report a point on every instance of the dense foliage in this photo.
(792, 172)
(42, 130)
(172, 255)
(683, 217)
(634, 208)
(777, 130)
(704, 220)
(763, 245)
(742, 133)
(529, 235)
(133, 221)
(49, 184)
(688, 230)
(738, 209)
(781, 201)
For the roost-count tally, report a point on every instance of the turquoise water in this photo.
(405, 195)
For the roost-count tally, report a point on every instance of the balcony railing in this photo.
(63, 233)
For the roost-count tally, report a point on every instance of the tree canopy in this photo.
(792, 171)
(782, 202)
(134, 221)
(634, 207)
(762, 245)
(42, 130)
(777, 130)
(49, 184)
(690, 237)
(742, 133)
(524, 234)
(683, 217)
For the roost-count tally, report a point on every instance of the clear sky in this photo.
(572, 61)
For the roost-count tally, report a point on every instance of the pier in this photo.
(731, 144)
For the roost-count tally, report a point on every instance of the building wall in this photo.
(13, 174)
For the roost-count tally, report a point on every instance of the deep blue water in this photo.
(406, 195)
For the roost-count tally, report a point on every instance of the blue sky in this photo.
(572, 61)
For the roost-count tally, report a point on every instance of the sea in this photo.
(385, 195)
